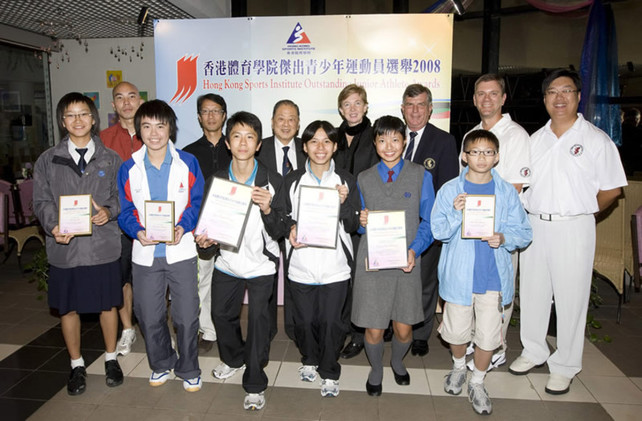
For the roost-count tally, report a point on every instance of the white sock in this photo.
(80, 362)
(459, 363)
(110, 356)
(477, 376)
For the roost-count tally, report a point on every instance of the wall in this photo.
(85, 71)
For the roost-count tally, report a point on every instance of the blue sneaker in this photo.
(192, 385)
(158, 379)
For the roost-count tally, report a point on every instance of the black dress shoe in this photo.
(387, 334)
(419, 347)
(113, 373)
(401, 379)
(77, 382)
(351, 350)
(373, 390)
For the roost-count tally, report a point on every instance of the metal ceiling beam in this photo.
(317, 7)
(27, 39)
(201, 9)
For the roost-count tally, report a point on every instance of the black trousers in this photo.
(254, 352)
(318, 327)
(429, 291)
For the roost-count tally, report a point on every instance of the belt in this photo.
(551, 217)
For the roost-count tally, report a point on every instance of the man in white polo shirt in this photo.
(576, 173)
(513, 165)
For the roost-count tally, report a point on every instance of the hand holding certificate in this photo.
(478, 217)
(74, 215)
(159, 221)
(225, 212)
(387, 248)
(318, 216)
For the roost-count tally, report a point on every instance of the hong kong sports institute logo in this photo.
(185, 78)
(298, 43)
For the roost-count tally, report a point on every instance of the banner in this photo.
(255, 62)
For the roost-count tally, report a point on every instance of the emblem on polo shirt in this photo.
(429, 163)
(577, 149)
(525, 172)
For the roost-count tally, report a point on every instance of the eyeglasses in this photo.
(205, 113)
(72, 117)
(476, 152)
(563, 92)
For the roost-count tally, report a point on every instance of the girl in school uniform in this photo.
(84, 275)
(320, 276)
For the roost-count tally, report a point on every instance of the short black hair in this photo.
(76, 97)
(562, 73)
(328, 128)
(211, 97)
(477, 135)
(389, 124)
(285, 102)
(247, 119)
(159, 110)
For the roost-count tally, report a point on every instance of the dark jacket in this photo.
(437, 152)
(267, 156)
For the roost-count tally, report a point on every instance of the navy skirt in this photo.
(86, 289)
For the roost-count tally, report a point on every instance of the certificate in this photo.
(478, 216)
(318, 216)
(74, 214)
(386, 232)
(159, 221)
(225, 212)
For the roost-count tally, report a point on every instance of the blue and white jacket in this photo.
(458, 255)
(185, 189)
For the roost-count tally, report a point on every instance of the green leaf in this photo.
(596, 324)
(607, 339)
(593, 337)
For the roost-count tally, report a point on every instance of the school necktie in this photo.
(287, 166)
(411, 146)
(390, 174)
(82, 164)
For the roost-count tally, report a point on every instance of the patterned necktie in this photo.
(287, 166)
(411, 146)
(390, 174)
(82, 164)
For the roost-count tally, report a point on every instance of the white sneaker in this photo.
(470, 349)
(224, 371)
(308, 373)
(499, 358)
(193, 385)
(127, 338)
(158, 379)
(330, 388)
(254, 401)
(522, 366)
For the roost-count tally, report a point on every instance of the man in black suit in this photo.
(283, 152)
(436, 150)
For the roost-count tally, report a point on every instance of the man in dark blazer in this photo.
(436, 151)
(283, 152)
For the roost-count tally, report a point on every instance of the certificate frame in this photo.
(318, 216)
(225, 212)
(478, 216)
(387, 242)
(162, 221)
(74, 214)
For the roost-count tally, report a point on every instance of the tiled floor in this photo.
(34, 367)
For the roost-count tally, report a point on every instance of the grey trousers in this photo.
(150, 302)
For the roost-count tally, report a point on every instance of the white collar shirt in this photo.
(278, 151)
(568, 172)
(420, 132)
(91, 149)
(514, 150)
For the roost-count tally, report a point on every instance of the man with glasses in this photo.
(212, 155)
(576, 173)
(513, 165)
(121, 137)
(436, 150)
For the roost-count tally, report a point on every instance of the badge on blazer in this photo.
(429, 163)
(525, 172)
(577, 149)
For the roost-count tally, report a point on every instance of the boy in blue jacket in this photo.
(476, 275)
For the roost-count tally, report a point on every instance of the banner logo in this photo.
(185, 78)
(298, 35)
